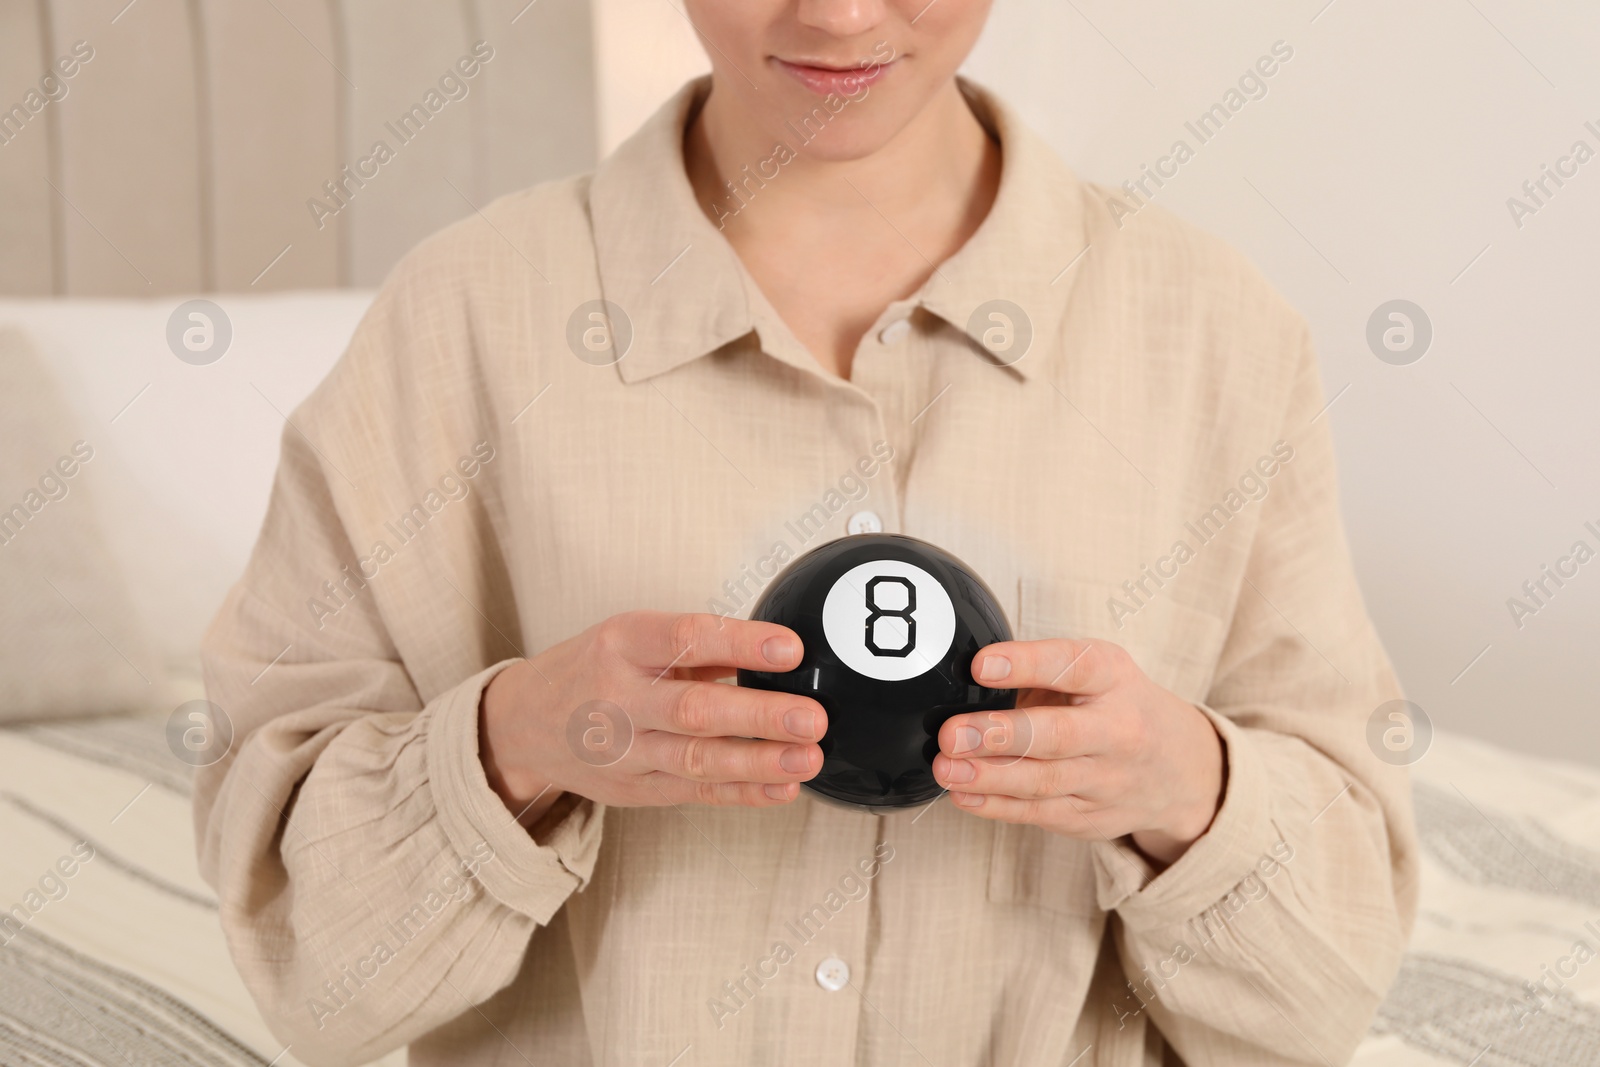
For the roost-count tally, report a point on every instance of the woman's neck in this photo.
(932, 164)
(833, 241)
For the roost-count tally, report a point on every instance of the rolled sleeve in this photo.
(527, 876)
(1239, 836)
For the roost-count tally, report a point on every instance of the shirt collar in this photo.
(681, 285)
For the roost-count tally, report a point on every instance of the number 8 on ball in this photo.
(878, 611)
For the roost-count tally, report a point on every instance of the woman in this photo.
(830, 288)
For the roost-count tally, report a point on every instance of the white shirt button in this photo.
(895, 332)
(864, 522)
(833, 974)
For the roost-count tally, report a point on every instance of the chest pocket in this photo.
(1175, 644)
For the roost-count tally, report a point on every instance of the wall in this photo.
(175, 146)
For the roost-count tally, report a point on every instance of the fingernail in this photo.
(780, 650)
(961, 771)
(994, 668)
(794, 760)
(967, 800)
(776, 792)
(967, 738)
(801, 722)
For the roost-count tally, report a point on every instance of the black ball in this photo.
(890, 625)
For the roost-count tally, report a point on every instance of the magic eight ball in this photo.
(890, 625)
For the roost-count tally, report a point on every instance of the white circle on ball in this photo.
(889, 620)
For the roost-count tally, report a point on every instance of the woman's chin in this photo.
(846, 137)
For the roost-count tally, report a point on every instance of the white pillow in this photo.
(184, 449)
(70, 643)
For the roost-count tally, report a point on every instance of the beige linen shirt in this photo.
(1129, 448)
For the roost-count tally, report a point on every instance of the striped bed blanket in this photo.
(121, 960)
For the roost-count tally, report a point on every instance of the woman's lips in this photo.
(825, 80)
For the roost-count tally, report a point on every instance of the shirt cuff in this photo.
(1239, 837)
(532, 878)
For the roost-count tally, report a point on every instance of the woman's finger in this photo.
(661, 640)
(1025, 779)
(727, 759)
(1088, 667)
(1045, 731)
(1069, 816)
(661, 788)
(711, 709)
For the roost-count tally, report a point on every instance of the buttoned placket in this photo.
(867, 410)
(886, 379)
(830, 943)
(889, 367)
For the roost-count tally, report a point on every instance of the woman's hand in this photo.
(628, 713)
(1095, 749)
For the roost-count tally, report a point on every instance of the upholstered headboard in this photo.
(161, 146)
